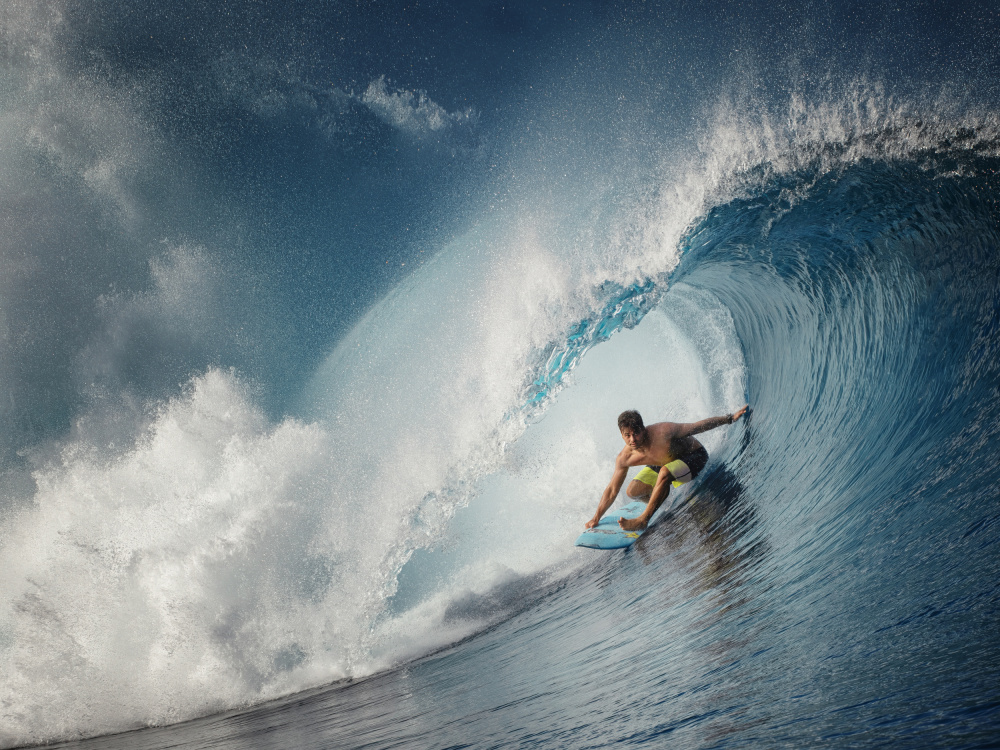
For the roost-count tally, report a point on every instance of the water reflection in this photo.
(711, 558)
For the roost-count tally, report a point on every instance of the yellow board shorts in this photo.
(682, 470)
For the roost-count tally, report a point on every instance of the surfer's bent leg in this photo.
(642, 486)
(656, 498)
(689, 467)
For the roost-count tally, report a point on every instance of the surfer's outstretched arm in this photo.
(610, 492)
(695, 428)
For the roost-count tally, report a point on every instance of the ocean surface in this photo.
(316, 318)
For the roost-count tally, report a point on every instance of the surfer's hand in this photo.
(591, 523)
(740, 412)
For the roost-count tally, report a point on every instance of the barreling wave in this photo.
(840, 548)
(837, 267)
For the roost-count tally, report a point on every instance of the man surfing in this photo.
(670, 454)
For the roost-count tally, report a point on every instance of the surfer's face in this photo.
(632, 439)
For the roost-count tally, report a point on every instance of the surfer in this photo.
(670, 454)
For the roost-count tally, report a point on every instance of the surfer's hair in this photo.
(633, 420)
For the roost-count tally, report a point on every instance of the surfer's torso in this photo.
(662, 445)
(680, 447)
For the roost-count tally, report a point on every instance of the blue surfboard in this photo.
(608, 534)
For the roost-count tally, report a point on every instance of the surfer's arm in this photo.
(610, 492)
(695, 428)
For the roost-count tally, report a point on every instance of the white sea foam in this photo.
(269, 88)
(413, 112)
(153, 584)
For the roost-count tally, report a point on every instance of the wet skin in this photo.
(657, 445)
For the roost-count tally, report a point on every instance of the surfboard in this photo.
(608, 534)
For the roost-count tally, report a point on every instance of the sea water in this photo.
(316, 321)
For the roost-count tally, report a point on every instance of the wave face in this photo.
(312, 358)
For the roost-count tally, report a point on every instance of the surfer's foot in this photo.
(632, 524)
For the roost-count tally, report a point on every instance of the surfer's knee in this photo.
(642, 483)
(637, 489)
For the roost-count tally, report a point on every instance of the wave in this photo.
(176, 550)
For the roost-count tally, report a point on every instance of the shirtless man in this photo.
(670, 453)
